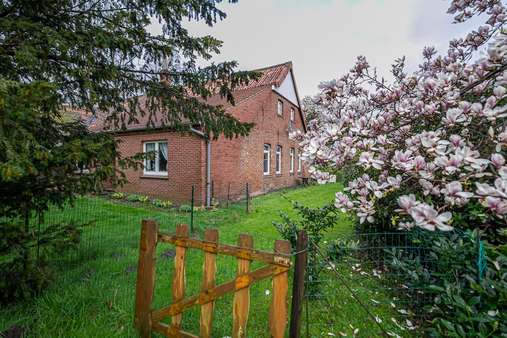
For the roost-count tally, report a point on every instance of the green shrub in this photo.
(340, 248)
(137, 198)
(315, 221)
(118, 195)
(185, 208)
(166, 204)
(463, 303)
(24, 273)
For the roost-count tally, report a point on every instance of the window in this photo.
(278, 160)
(267, 157)
(291, 156)
(300, 162)
(279, 108)
(155, 162)
(292, 115)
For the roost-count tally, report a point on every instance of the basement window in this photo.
(155, 162)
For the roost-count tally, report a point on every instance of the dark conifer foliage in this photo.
(96, 56)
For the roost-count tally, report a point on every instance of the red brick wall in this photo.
(238, 161)
(186, 166)
(234, 162)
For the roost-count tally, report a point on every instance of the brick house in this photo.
(266, 159)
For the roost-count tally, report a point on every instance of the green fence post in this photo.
(192, 211)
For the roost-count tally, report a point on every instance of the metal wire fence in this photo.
(105, 221)
(359, 292)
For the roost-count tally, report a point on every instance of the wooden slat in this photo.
(179, 272)
(171, 331)
(209, 271)
(241, 303)
(212, 294)
(278, 310)
(145, 277)
(280, 259)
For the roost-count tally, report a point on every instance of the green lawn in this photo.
(94, 297)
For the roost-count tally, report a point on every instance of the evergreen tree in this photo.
(98, 56)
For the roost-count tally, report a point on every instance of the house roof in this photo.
(270, 77)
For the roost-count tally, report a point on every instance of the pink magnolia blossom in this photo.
(439, 132)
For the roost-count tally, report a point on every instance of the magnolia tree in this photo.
(428, 148)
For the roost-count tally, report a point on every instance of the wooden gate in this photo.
(277, 267)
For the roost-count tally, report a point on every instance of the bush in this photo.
(166, 204)
(464, 304)
(23, 273)
(185, 208)
(137, 198)
(341, 248)
(315, 221)
(118, 195)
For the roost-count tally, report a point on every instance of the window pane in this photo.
(266, 159)
(280, 107)
(150, 158)
(162, 156)
(278, 159)
(292, 160)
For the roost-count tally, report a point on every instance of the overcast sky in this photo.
(323, 37)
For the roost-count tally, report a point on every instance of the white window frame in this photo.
(300, 162)
(279, 107)
(292, 114)
(266, 150)
(156, 172)
(278, 158)
(291, 156)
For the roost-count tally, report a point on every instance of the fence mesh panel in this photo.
(358, 291)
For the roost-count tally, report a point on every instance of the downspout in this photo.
(208, 173)
(208, 165)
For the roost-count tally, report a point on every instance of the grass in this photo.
(95, 298)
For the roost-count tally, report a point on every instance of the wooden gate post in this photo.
(179, 272)
(145, 277)
(278, 310)
(241, 301)
(298, 286)
(209, 271)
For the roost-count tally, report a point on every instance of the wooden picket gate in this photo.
(148, 320)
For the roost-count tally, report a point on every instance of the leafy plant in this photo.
(24, 257)
(185, 208)
(166, 204)
(118, 195)
(137, 198)
(315, 221)
(463, 303)
(340, 248)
